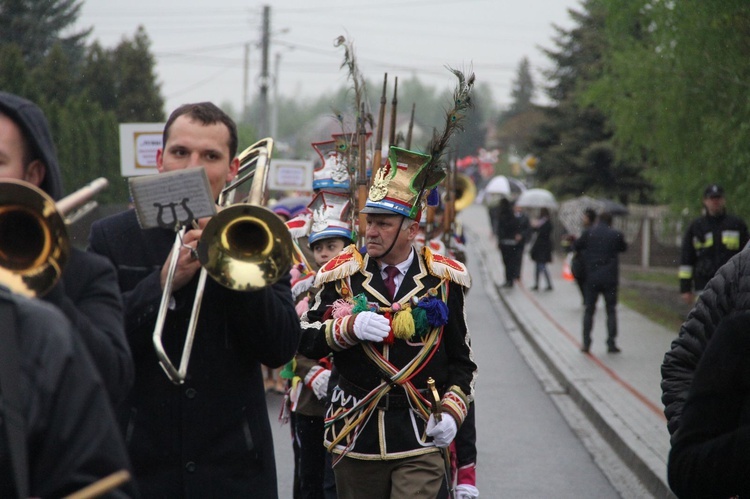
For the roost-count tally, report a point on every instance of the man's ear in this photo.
(413, 230)
(234, 167)
(35, 172)
(160, 160)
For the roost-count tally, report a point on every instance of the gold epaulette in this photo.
(346, 263)
(446, 268)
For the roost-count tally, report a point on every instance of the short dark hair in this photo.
(208, 114)
(590, 213)
(605, 218)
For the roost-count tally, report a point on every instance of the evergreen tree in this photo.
(13, 72)
(575, 144)
(522, 91)
(36, 25)
(138, 93)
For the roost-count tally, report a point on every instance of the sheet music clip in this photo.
(173, 199)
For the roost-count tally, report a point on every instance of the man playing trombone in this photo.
(208, 436)
(87, 292)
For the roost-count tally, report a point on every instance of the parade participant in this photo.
(392, 319)
(330, 233)
(710, 241)
(58, 433)
(601, 245)
(87, 292)
(209, 436)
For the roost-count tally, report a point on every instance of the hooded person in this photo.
(87, 291)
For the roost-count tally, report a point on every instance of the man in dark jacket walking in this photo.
(709, 243)
(601, 245)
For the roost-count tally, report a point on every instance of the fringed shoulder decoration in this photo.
(302, 285)
(345, 264)
(446, 268)
(299, 226)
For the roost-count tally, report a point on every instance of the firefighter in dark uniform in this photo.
(709, 243)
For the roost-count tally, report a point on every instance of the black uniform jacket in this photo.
(209, 437)
(394, 430)
(709, 243)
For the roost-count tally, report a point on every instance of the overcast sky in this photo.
(200, 46)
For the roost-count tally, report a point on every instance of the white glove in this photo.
(444, 432)
(369, 326)
(317, 380)
(466, 491)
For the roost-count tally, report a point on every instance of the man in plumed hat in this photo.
(392, 319)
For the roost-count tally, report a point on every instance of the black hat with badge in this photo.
(714, 191)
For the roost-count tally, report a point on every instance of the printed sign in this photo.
(138, 145)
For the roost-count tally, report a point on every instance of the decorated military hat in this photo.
(400, 184)
(331, 216)
(332, 174)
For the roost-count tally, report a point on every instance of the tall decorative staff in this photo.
(359, 195)
(394, 106)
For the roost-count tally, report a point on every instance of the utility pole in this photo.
(245, 78)
(263, 119)
(275, 106)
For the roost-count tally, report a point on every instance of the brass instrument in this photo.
(244, 247)
(466, 191)
(34, 242)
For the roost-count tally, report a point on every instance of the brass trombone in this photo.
(244, 247)
(34, 242)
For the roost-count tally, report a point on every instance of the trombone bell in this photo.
(246, 247)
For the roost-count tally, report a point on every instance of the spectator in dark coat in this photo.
(601, 245)
(510, 231)
(541, 250)
(709, 456)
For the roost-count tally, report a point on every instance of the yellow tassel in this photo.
(403, 324)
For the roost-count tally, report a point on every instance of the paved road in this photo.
(526, 448)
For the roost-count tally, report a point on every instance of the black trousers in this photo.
(309, 456)
(512, 258)
(591, 295)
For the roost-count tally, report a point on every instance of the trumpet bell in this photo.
(34, 244)
(246, 247)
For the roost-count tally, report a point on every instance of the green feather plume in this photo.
(454, 121)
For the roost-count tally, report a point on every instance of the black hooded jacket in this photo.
(87, 293)
(72, 439)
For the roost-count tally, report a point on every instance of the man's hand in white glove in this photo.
(369, 326)
(442, 432)
(317, 380)
(466, 491)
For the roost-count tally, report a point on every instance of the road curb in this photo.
(640, 461)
